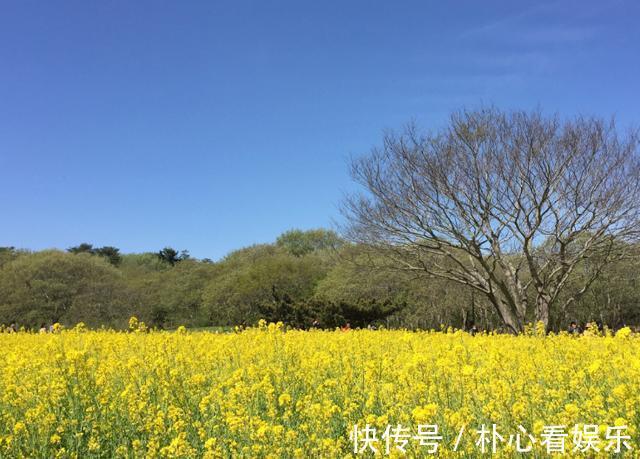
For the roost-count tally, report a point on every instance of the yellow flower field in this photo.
(264, 392)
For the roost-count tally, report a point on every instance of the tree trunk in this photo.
(542, 309)
(509, 317)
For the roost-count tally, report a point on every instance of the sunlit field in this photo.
(265, 392)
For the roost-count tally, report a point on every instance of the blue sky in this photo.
(209, 125)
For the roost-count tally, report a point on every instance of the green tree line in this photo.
(304, 278)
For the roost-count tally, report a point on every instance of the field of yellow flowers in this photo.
(266, 392)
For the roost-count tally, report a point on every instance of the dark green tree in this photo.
(82, 248)
(112, 254)
(169, 255)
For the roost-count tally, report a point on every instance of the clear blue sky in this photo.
(210, 125)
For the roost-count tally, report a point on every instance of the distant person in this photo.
(346, 327)
(473, 330)
(315, 323)
(12, 328)
(43, 328)
(573, 328)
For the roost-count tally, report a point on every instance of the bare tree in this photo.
(508, 204)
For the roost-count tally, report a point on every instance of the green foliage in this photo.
(171, 256)
(299, 243)
(112, 254)
(53, 286)
(304, 279)
(82, 248)
(254, 280)
(361, 282)
(8, 254)
(134, 264)
(175, 296)
(613, 298)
